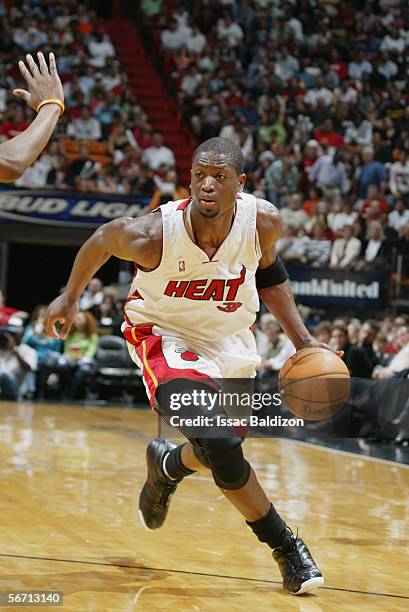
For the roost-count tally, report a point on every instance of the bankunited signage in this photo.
(331, 287)
(72, 209)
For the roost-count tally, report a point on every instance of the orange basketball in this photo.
(314, 384)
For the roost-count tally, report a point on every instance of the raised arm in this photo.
(44, 85)
(272, 280)
(138, 240)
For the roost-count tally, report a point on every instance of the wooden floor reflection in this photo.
(70, 478)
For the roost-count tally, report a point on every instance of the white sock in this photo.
(164, 467)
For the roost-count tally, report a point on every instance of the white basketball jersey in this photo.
(192, 296)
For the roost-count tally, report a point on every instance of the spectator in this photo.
(399, 177)
(354, 357)
(158, 155)
(399, 217)
(100, 48)
(85, 127)
(282, 179)
(322, 332)
(173, 38)
(228, 31)
(374, 197)
(279, 349)
(374, 248)
(293, 214)
(329, 173)
(48, 351)
(80, 347)
(292, 247)
(367, 337)
(16, 361)
(108, 316)
(168, 189)
(318, 247)
(399, 363)
(345, 250)
(359, 67)
(371, 173)
(82, 168)
(346, 216)
(9, 315)
(93, 294)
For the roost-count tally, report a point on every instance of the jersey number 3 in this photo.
(230, 306)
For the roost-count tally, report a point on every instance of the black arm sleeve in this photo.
(273, 275)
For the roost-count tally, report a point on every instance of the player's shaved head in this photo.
(225, 147)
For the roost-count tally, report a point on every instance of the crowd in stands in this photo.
(104, 142)
(316, 95)
(33, 364)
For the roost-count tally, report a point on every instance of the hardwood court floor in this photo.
(70, 478)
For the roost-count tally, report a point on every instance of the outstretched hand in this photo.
(43, 82)
(62, 311)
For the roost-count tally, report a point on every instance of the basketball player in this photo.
(45, 95)
(201, 265)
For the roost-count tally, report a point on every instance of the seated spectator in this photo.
(109, 317)
(82, 168)
(326, 135)
(278, 350)
(367, 337)
(310, 204)
(399, 364)
(48, 350)
(174, 37)
(85, 127)
(293, 214)
(345, 250)
(158, 154)
(16, 361)
(346, 216)
(359, 67)
(80, 347)
(329, 173)
(168, 189)
(292, 246)
(374, 196)
(399, 217)
(354, 357)
(9, 315)
(282, 179)
(229, 31)
(354, 329)
(370, 173)
(322, 332)
(318, 247)
(93, 294)
(374, 248)
(319, 92)
(399, 177)
(100, 48)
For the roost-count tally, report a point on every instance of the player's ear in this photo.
(242, 180)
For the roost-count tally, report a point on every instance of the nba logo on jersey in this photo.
(182, 265)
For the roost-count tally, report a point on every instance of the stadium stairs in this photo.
(148, 86)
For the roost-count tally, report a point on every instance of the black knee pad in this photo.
(224, 456)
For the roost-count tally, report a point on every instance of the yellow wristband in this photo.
(52, 101)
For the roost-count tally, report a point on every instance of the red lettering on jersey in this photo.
(230, 307)
(215, 291)
(135, 296)
(195, 289)
(234, 285)
(176, 288)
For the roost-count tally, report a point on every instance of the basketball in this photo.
(314, 383)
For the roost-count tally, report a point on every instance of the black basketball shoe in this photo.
(297, 567)
(158, 489)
